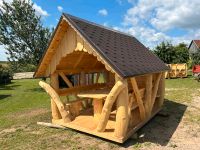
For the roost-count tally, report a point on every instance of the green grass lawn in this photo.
(23, 103)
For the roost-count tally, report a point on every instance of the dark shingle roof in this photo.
(124, 53)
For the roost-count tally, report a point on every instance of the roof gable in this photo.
(123, 52)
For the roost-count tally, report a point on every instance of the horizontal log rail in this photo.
(75, 71)
(80, 88)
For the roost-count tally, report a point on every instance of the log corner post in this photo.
(111, 98)
(122, 118)
(162, 90)
(54, 109)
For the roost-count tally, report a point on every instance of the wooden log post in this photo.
(55, 97)
(98, 105)
(148, 93)
(122, 118)
(162, 90)
(155, 90)
(119, 85)
(54, 109)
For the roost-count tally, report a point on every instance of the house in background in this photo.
(194, 46)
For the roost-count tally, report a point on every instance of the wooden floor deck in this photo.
(85, 122)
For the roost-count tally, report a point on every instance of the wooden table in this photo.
(98, 97)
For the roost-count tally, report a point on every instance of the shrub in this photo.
(5, 74)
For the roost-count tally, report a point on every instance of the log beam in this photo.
(119, 85)
(55, 97)
(67, 81)
(155, 90)
(138, 98)
(54, 109)
(122, 117)
(162, 90)
(148, 93)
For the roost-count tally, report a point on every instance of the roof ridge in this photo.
(99, 25)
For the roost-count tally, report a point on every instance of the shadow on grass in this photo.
(4, 96)
(9, 86)
(35, 90)
(160, 129)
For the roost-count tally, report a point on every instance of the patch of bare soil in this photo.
(180, 130)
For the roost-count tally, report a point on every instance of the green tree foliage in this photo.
(5, 74)
(172, 54)
(182, 53)
(22, 33)
(165, 51)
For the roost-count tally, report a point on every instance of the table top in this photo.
(96, 94)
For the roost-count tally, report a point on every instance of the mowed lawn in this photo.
(23, 103)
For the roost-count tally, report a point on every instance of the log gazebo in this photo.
(102, 82)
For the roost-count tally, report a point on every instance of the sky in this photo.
(150, 21)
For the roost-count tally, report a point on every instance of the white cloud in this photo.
(3, 55)
(167, 14)
(149, 20)
(103, 12)
(38, 9)
(60, 9)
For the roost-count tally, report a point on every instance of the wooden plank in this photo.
(80, 88)
(96, 94)
(97, 105)
(78, 60)
(75, 71)
(54, 109)
(138, 98)
(67, 81)
(155, 90)
(162, 90)
(148, 93)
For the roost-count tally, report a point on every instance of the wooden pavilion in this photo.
(102, 82)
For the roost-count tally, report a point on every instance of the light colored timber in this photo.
(54, 109)
(108, 105)
(80, 88)
(86, 123)
(96, 94)
(79, 60)
(97, 105)
(148, 93)
(162, 90)
(54, 96)
(67, 81)
(122, 117)
(74, 71)
(138, 98)
(50, 125)
(155, 90)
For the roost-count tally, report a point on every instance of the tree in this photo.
(22, 33)
(172, 54)
(165, 51)
(182, 53)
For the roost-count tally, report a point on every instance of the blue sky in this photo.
(150, 21)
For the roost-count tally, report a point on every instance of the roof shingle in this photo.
(124, 53)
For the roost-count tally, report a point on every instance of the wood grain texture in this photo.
(138, 98)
